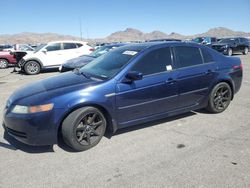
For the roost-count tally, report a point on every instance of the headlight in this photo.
(18, 109)
(224, 46)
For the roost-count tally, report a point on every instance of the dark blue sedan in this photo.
(130, 85)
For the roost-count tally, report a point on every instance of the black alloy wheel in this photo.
(230, 52)
(245, 51)
(84, 128)
(220, 98)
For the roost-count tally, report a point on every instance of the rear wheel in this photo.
(32, 67)
(84, 128)
(229, 52)
(3, 64)
(220, 98)
(245, 51)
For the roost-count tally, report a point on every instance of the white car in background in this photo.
(52, 55)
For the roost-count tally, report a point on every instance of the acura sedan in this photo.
(130, 85)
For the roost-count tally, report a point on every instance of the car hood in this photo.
(60, 82)
(78, 62)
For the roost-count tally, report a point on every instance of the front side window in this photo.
(154, 62)
(54, 47)
(188, 56)
(67, 46)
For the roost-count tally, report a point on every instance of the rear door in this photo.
(156, 93)
(52, 56)
(196, 71)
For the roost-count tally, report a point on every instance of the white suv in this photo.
(52, 55)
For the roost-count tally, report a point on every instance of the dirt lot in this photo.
(192, 150)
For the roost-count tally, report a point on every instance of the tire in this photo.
(230, 52)
(32, 68)
(4, 64)
(245, 51)
(219, 98)
(84, 128)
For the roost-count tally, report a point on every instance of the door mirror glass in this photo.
(133, 76)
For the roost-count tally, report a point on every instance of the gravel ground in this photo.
(191, 150)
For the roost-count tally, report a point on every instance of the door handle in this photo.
(171, 81)
(208, 72)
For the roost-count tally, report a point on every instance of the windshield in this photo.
(198, 39)
(108, 65)
(229, 41)
(100, 51)
(40, 47)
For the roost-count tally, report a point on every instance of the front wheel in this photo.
(229, 52)
(32, 67)
(3, 64)
(84, 128)
(220, 98)
(245, 51)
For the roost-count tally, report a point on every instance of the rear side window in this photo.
(188, 56)
(207, 57)
(54, 47)
(79, 45)
(213, 39)
(154, 62)
(67, 46)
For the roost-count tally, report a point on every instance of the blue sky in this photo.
(100, 18)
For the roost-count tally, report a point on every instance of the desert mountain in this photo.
(128, 34)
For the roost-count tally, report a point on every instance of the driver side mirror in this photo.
(132, 76)
(44, 51)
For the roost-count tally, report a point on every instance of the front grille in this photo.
(217, 47)
(16, 133)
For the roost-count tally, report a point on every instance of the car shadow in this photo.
(14, 144)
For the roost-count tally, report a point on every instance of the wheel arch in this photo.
(34, 59)
(111, 125)
(5, 59)
(229, 82)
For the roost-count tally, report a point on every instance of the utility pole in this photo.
(80, 23)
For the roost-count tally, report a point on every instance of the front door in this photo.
(156, 93)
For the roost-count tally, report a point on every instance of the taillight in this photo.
(91, 49)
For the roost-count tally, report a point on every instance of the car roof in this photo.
(67, 41)
(145, 45)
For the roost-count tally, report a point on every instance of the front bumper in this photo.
(32, 129)
(220, 49)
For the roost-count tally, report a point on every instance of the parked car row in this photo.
(227, 46)
(68, 55)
